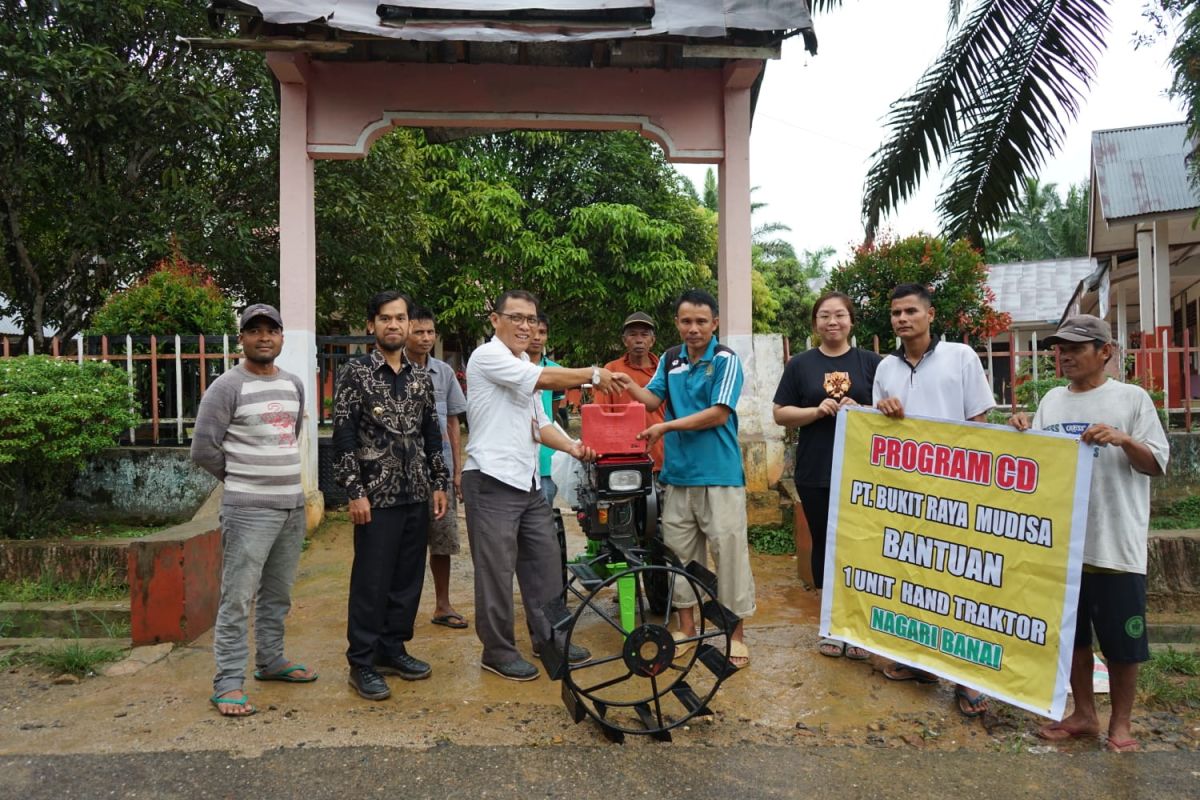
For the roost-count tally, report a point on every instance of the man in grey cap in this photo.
(247, 435)
(1119, 421)
(639, 363)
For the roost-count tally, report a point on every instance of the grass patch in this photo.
(93, 531)
(1171, 680)
(771, 540)
(52, 589)
(75, 658)
(1183, 514)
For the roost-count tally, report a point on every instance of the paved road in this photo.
(608, 772)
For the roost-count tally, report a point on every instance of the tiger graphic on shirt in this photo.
(837, 384)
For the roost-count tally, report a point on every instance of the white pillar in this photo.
(1122, 317)
(1145, 241)
(298, 251)
(1162, 276)
(1014, 344)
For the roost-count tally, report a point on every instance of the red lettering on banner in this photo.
(936, 460)
(1016, 473)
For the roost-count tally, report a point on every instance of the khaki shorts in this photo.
(697, 520)
(443, 533)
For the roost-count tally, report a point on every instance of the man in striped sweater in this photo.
(246, 435)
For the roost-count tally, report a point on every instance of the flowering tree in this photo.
(176, 296)
(953, 272)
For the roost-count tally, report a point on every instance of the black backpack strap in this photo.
(667, 357)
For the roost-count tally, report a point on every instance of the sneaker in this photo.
(516, 670)
(369, 684)
(404, 665)
(577, 654)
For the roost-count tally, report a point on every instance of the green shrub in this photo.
(1181, 515)
(771, 540)
(75, 658)
(1031, 392)
(53, 416)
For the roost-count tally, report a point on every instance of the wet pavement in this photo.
(791, 715)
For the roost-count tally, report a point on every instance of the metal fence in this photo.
(169, 374)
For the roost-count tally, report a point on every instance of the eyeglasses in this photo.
(517, 319)
(839, 315)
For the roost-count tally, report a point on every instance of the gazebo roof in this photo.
(582, 33)
(543, 21)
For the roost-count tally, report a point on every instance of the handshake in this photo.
(610, 381)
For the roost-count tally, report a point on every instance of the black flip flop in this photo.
(457, 621)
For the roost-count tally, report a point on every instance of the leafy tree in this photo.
(53, 416)
(1184, 58)
(1044, 225)
(596, 225)
(373, 227)
(711, 199)
(109, 136)
(953, 272)
(796, 280)
(177, 296)
(787, 282)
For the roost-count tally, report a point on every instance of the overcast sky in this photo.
(819, 118)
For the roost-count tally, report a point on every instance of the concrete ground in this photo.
(789, 700)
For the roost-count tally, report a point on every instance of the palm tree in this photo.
(1024, 232)
(994, 106)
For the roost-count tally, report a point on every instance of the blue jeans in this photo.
(260, 552)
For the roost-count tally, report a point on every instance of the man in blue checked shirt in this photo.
(704, 507)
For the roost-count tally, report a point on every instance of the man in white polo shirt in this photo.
(929, 378)
(509, 524)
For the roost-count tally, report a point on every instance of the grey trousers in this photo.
(260, 552)
(511, 532)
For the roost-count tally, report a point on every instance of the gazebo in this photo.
(684, 73)
(1141, 231)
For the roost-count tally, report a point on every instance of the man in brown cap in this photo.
(1119, 421)
(639, 363)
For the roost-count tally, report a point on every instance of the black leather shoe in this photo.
(516, 670)
(577, 655)
(369, 683)
(404, 665)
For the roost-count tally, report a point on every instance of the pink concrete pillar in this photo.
(733, 247)
(298, 248)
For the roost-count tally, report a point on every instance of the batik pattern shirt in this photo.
(386, 438)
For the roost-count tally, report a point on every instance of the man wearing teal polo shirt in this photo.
(550, 401)
(704, 508)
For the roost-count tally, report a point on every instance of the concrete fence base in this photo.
(174, 583)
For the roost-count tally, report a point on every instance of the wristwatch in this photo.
(595, 375)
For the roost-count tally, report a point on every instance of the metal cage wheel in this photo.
(640, 670)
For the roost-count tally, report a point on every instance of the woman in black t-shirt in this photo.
(815, 384)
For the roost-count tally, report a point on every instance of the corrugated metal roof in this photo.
(1143, 171)
(696, 18)
(1037, 291)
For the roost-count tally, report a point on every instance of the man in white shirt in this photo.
(509, 524)
(929, 378)
(1120, 421)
